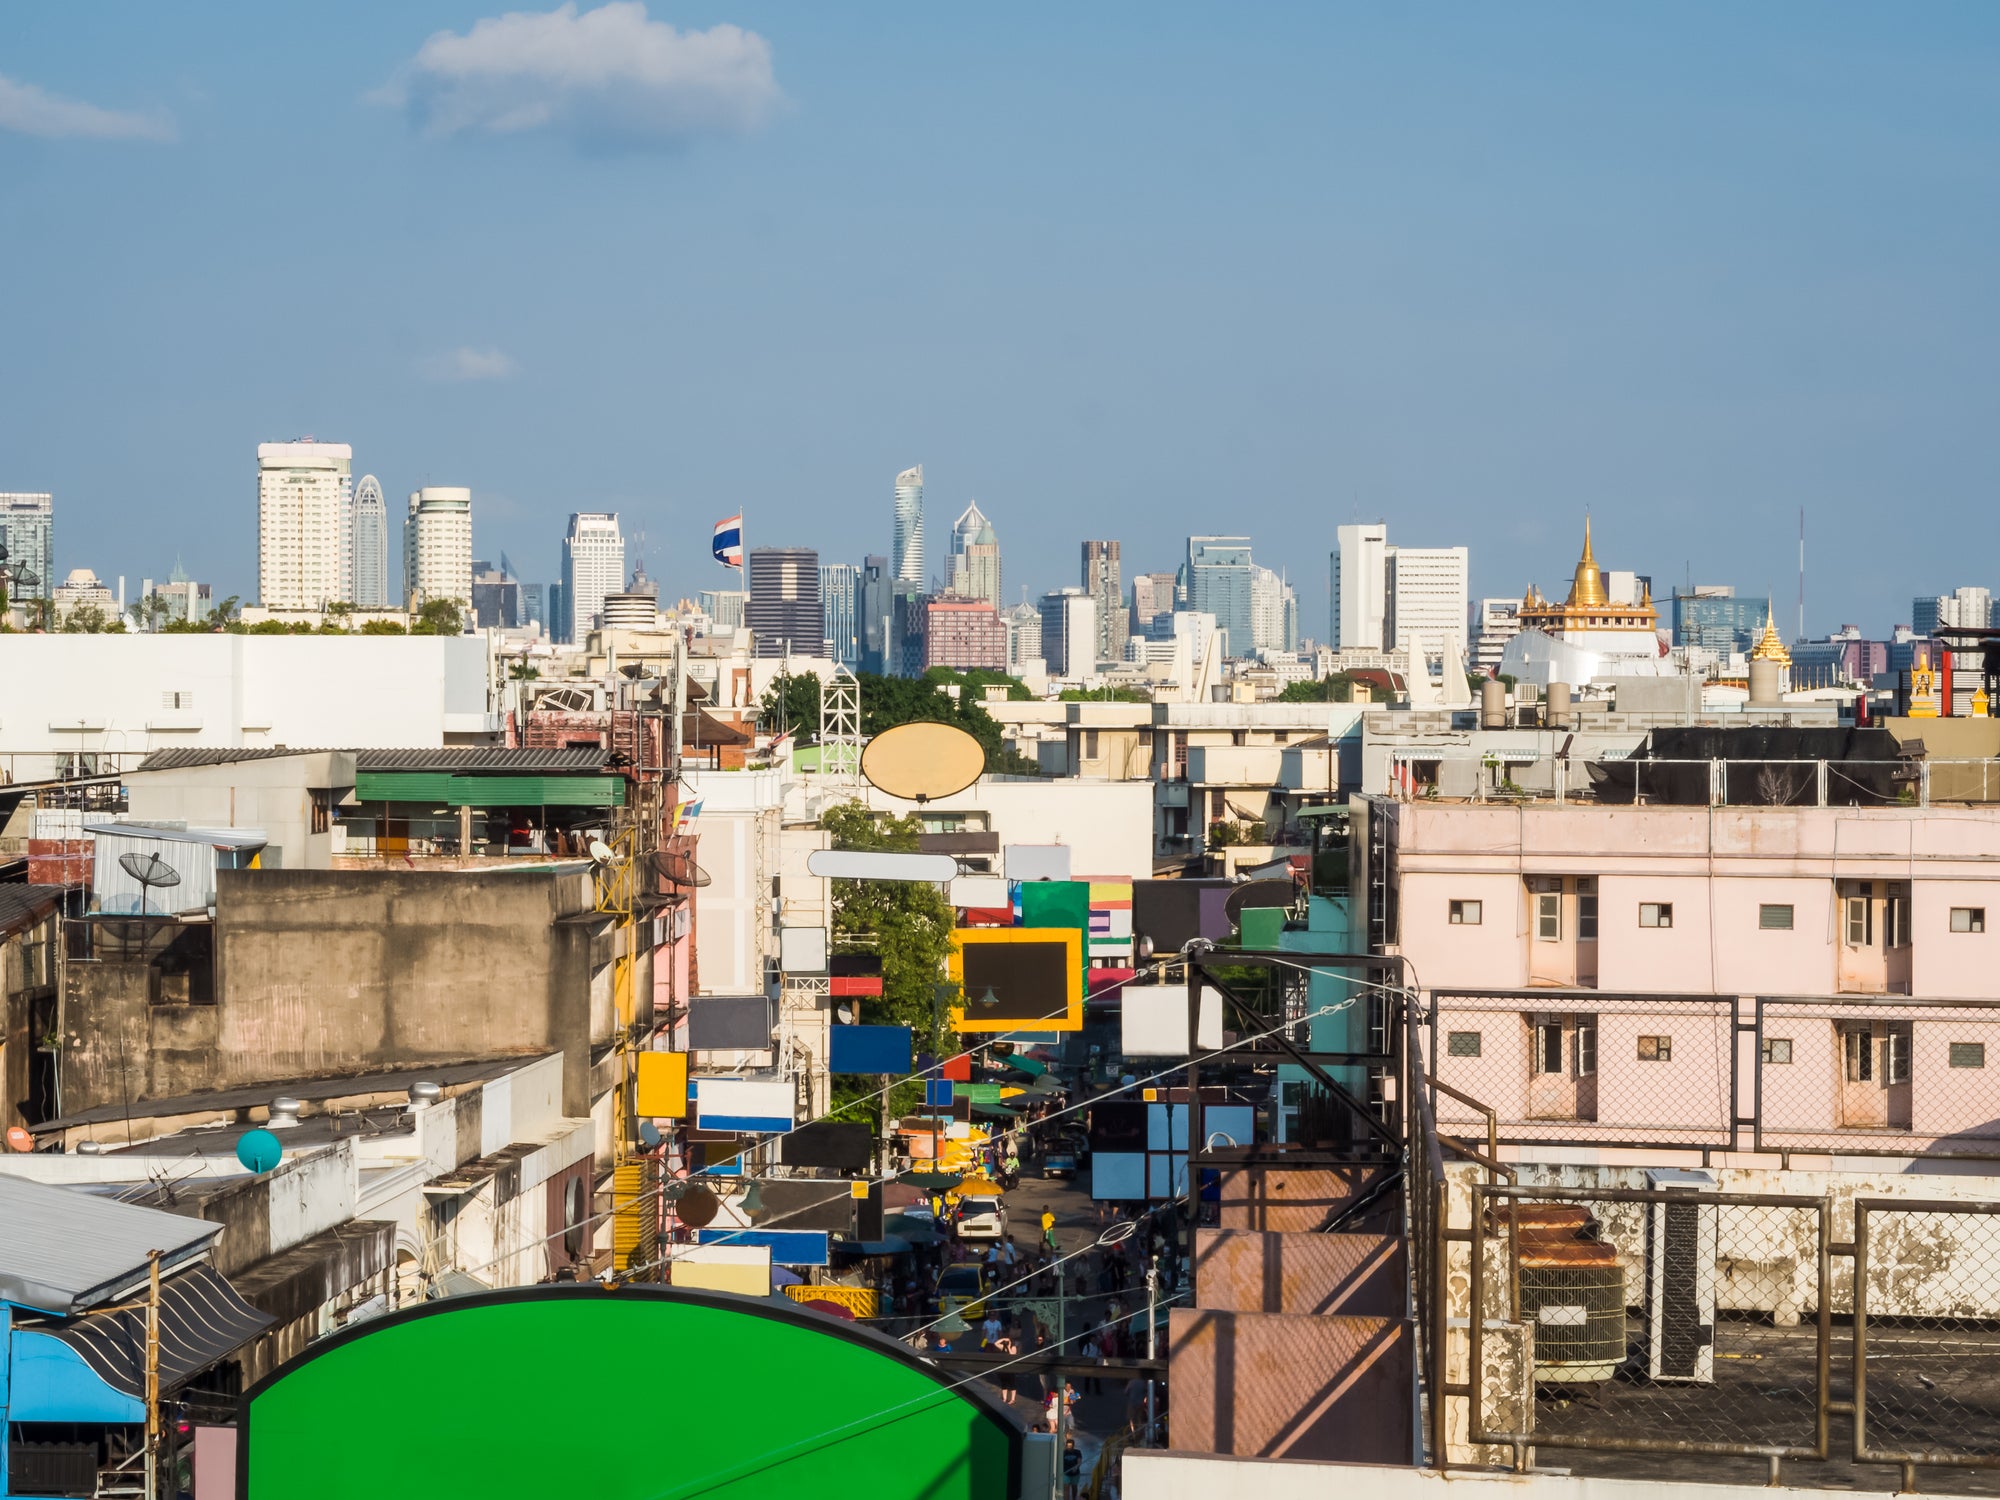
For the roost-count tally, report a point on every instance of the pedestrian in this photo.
(1093, 1351)
(989, 1331)
(1048, 1227)
(1010, 1254)
(1008, 1382)
(1072, 1465)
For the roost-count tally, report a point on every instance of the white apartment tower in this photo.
(303, 495)
(437, 547)
(370, 532)
(593, 565)
(906, 553)
(1428, 588)
(1359, 588)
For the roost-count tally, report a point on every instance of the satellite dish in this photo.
(649, 1135)
(846, 1014)
(697, 1207)
(922, 761)
(18, 1139)
(149, 869)
(1257, 893)
(601, 852)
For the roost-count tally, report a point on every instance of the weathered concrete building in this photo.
(28, 916)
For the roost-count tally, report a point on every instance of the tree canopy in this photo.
(1338, 687)
(793, 702)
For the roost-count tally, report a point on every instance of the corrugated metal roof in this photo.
(62, 1250)
(420, 758)
(24, 905)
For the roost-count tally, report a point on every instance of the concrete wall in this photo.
(273, 795)
(104, 694)
(324, 973)
(1188, 1476)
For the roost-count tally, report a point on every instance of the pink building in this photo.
(1802, 978)
(963, 633)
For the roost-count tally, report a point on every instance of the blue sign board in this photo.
(869, 1049)
(788, 1247)
(937, 1093)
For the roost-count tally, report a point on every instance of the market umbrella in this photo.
(995, 1112)
(1021, 1063)
(916, 1231)
(942, 1182)
(784, 1276)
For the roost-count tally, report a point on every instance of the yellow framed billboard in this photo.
(1018, 979)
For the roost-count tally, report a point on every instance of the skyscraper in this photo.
(303, 494)
(1069, 633)
(1102, 582)
(1428, 598)
(906, 552)
(1024, 638)
(874, 606)
(975, 557)
(1153, 599)
(1358, 599)
(784, 610)
(840, 605)
(593, 565)
(27, 545)
(1216, 578)
(496, 597)
(1274, 612)
(437, 546)
(369, 588)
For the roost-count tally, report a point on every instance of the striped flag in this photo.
(728, 546)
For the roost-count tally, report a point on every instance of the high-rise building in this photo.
(1216, 581)
(1274, 612)
(437, 546)
(1712, 617)
(1069, 633)
(784, 609)
(1970, 608)
(1494, 623)
(496, 597)
(906, 551)
(558, 616)
(593, 565)
(1024, 638)
(27, 545)
(840, 606)
(724, 608)
(975, 558)
(531, 602)
(874, 606)
(1428, 597)
(1102, 582)
(1153, 597)
(963, 634)
(1358, 595)
(368, 549)
(303, 495)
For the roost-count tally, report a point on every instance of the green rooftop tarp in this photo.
(442, 787)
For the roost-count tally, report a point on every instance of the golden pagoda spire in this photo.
(1769, 647)
(1587, 588)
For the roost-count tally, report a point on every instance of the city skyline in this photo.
(1504, 311)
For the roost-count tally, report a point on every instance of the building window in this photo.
(1777, 1049)
(1586, 909)
(1467, 1043)
(1774, 918)
(1656, 1049)
(1548, 1047)
(1968, 1054)
(177, 700)
(1466, 914)
(1968, 919)
(1586, 1049)
(1090, 744)
(1656, 914)
(1549, 916)
(1861, 916)
(1860, 1049)
(1896, 917)
(1899, 1055)
(322, 810)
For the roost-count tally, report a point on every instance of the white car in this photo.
(982, 1219)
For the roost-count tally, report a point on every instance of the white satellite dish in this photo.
(601, 852)
(846, 1014)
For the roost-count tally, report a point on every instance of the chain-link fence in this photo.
(1926, 1349)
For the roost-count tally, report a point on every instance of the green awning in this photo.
(1024, 1064)
(489, 791)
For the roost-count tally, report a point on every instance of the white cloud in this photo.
(470, 364)
(606, 76)
(35, 111)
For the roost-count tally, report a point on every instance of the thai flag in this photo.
(729, 541)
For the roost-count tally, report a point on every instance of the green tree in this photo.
(909, 925)
(520, 671)
(338, 618)
(1339, 687)
(89, 619)
(792, 702)
(382, 627)
(1104, 695)
(439, 617)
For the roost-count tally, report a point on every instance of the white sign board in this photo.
(1154, 1020)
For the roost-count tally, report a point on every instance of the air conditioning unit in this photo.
(1680, 1278)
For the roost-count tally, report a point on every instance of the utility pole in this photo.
(1152, 1343)
(152, 1374)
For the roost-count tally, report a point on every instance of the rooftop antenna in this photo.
(1802, 574)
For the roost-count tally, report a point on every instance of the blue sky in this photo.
(1114, 270)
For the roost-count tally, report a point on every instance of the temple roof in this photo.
(1587, 588)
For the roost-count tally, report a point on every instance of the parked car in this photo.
(963, 1287)
(982, 1218)
(1059, 1160)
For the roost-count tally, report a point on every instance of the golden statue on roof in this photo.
(1769, 647)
